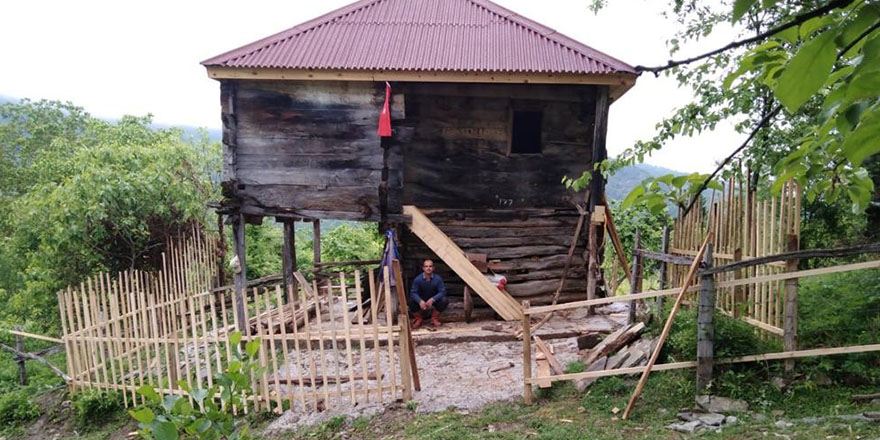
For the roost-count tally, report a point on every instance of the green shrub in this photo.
(732, 338)
(93, 407)
(17, 407)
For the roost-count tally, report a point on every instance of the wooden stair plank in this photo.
(455, 258)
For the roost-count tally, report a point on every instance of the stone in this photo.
(822, 380)
(711, 419)
(777, 412)
(779, 383)
(686, 427)
(731, 420)
(718, 404)
(589, 340)
(758, 417)
(662, 410)
(875, 402)
(872, 415)
(782, 424)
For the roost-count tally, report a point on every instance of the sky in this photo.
(115, 58)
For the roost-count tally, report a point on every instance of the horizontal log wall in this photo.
(511, 207)
(529, 247)
(310, 147)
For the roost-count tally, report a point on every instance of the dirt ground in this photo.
(467, 366)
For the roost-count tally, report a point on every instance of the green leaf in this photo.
(234, 338)
(143, 415)
(169, 402)
(633, 195)
(199, 395)
(814, 24)
(863, 86)
(149, 393)
(165, 431)
(806, 72)
(789, 35)
(740, 7)
(864, 141)
(252, 347)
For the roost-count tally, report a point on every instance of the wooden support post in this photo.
(22, 371)
(221, 254)
(790, 319)
(288, 254)
(664, 269)
(635, 283)
(527, 353)
(597, 191)
(405, 347)
(706, 326)
(596, 231)
(403, 318)
(240, 273)
(316, 241)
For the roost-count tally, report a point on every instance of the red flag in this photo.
(385, 116)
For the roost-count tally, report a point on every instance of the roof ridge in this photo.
(292, 32)
(548, 32)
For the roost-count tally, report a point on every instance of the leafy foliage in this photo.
(16, 407)
(210, 419)
(92, 407)
(86, 195)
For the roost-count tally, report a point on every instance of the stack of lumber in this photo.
(275, 317)
(620, 349)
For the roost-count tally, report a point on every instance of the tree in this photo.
(89, 195)
(803, 82)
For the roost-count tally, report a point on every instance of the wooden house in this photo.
(489, 111)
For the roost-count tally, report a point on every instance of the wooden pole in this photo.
(316, 241)
(665, 334)
(664, 269)
(288, 254)
(789, 326)
(240, 273)
(636, 280)
(706, 326)
(22, 371)
(527, 354)
(404, 312)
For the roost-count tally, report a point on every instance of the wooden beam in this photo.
(705, 327)
(455, 258)
(790, 313)
(239, 274)
(35, 336)
(39, 359)
(666, 258)
(615, 240)
(800, 274)
(527, 354)
(288, 254)
(316, 241)
(404, 313)
(872, 248)
(667, 327)
(554, 364)
(621, 82)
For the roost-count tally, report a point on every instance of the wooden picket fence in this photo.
(744, 227)
(322, 347)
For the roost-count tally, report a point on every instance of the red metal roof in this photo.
(423, 35)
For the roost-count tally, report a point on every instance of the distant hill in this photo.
(621, 183)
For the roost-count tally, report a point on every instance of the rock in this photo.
(730, 420)
(589, 340)
(875, 402)
(717, 404)
(686, 427)
(758, 417)
(782, 424)
(872, 415)
(777, 412)
(662, 410)
(779, 383)
(711, 419)
(822, 380)
(687, 416)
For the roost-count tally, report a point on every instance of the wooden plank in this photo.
(346, 322)
(374, 321)
(802, 273)
(706, 327)
(527, 354)
(613, 341)
(386, 277)
(667, 327)
(358, 296)
(404, 307)
(554, 364)
(452, 255)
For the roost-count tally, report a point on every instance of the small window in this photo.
(526, 133)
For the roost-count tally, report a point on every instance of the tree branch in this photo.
(796, 21)
(763, 123)
(39, 359)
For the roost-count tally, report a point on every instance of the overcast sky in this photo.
(116, 57)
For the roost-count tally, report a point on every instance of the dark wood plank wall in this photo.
(311, 148)
(511, 207)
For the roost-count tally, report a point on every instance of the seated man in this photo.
(427, 296)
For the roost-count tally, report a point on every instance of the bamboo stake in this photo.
(312, 366)
(299, 364)
(388, 322)
(335, 342)
(271, 332)
(108, 319)
(360, 318)
(279, 303)
(527, 354)
(264, 361)
(68, 344)
(319, 326)
(203, 320)
(663, 335)
(374, 318)
(347, 323)
(165, 322)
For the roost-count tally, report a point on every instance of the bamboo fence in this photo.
(170, 327)
(744, 227)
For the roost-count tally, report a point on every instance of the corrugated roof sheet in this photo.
(423, 35)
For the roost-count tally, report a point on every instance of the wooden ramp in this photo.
(455, 258)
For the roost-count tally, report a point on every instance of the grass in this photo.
(562, 413)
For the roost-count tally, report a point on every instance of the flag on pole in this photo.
(385, 116)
